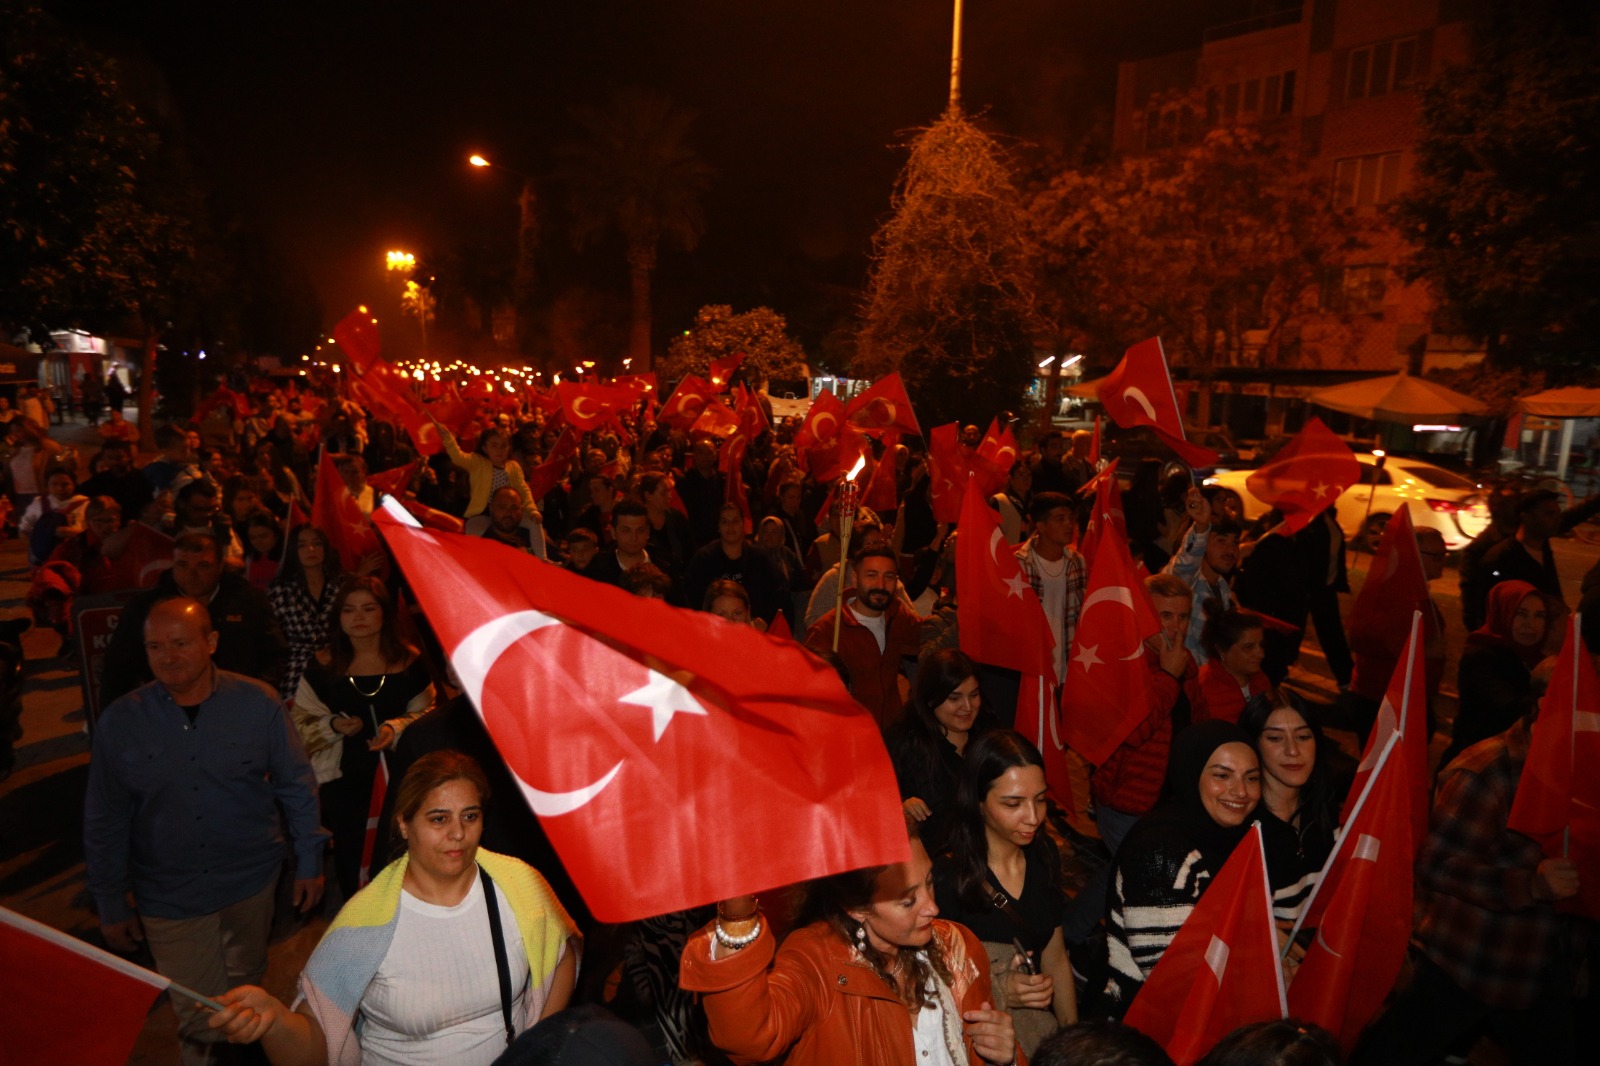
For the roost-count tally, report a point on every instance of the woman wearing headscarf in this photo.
(1172, 854)
(1495, 678)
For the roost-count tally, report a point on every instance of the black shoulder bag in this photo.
(502, 967)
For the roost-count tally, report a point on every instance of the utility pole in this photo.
(955, 60)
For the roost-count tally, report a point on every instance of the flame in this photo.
(861, 461)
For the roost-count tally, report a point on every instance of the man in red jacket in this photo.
(876, 635)
(1128, 784)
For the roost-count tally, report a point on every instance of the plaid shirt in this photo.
(1480, 922)
(1077, 577)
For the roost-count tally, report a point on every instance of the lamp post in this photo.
(527, 243)
(405, 264)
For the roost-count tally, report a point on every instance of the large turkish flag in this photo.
(1307, 476)
(672, 758)
(1139, 393)
(883, 406)
(685, 403)
(1000, 619)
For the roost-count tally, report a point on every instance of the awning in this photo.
(1398, 398)
(1569, 402)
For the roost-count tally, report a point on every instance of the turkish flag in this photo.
(43, 986)
(752, 419)
(1307, 476)
(1404, 711)
(639, 383)
(1558, 797)
(357, 334)
(825, 444)
(717, 419)
(733, 489)
(881, 494)
(1139, 393)
(1107, 512)
(145, 555)
(1222, 969)
(395, 481)
(1107, 688)
(683, 407)
(544, 477)
(999, 617)
(947, 472)
(589, 406)
(334, 511)
(1396, 585)
(998, 451)
(778, 628)
(1365, 925)
(883, 406)
(722, 370)
(655, 744)
(452, 411)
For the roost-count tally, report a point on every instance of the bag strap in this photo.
(502, 968)
(1002, 903)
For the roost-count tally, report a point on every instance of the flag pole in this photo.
(103, 957)
(847, 520)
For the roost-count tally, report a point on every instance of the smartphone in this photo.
(1027, 960)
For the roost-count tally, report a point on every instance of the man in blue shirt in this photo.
(185, 782)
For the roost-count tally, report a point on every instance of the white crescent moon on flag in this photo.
(426, 432)
(1115, 594)
(891, 411)
(577, 407)
(816, 425)
(476, 655)
(997, 538)
(1133, 394)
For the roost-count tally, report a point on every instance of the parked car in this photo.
(1454, 505)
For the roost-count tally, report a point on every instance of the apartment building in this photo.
(1347, 75)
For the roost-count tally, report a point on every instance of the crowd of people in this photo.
(257, 691)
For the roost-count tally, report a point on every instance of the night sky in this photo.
(340, 129)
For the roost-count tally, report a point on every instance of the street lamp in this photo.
(414, 296)
(527, 242)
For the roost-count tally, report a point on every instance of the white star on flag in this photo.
(1015, 584)
(665, 698)
(1321, 489)
(1088, 656)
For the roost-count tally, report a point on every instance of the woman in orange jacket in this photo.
(875, 977)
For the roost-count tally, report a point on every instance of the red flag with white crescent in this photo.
(1221, 971)
(1365, 923)
(947, 472)
(1139, 393)
(634, 728)
(683, 407)
(335, 513)
(1307, 476)
(722, 370)
(1107, 688)
(883, 406)
(999, 617)
(589, 406)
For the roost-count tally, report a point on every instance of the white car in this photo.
(1454, 505)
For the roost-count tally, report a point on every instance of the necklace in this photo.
(1061, 565)
(382, 680)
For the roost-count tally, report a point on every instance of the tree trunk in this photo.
(147, 391)
(641, 261)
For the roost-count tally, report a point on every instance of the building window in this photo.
(1366, 180)
(1385, 67)
(1355, 290)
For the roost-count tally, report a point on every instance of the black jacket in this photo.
(249, 640)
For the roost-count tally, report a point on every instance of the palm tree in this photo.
(633, 171)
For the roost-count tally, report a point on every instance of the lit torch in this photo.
(845, 507)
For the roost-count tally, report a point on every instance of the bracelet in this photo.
(737, 942)
(755, 909)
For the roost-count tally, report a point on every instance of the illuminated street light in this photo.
(477, 160)
(1047, 362)
(401, 261)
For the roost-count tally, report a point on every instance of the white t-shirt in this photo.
(1053, 596)
(436, 998)
(878, 626)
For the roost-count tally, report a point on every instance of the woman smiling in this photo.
(1174, 852)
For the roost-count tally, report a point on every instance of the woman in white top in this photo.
(408, 971)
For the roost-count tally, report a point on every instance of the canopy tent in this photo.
(1570, 402)
(1567, 404)
(1398, 398)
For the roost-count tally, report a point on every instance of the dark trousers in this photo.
(1432, 1013)
(1330, 634)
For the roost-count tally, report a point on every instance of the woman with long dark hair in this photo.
(1001, 878)
(356, 697)
(301, 596)
(1297, 812)
(871, 976)
(927, 743)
